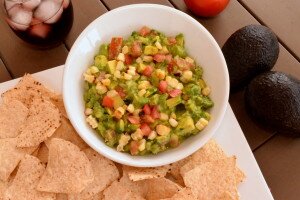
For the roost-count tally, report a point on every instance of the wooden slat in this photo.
(111, 4)
(4, 75)
(235, 16)
(280, 164)
(20, 58)
(84, 13)
(282, 16)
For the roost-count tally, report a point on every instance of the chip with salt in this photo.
(68, 171)
(212, 179)
(105, 173)
(12, 115)
(10, 156)
(67, 132)
(142, 173)
(183, 194)
(43, 120)
(26, 180)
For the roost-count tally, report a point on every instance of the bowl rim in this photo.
(191, 149)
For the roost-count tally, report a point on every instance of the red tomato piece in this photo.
(168, 58)
(145, 128)
(148, 71)
(183, 64)
(162, 86)
(175, 92)
(172, 40)
(120, 91)
(115, 47)
(136, 49)
(128, 59)
(159, 57)
(148, 119)
(108, 102)
(134, 119)
(170, 67)
(147, 109)
(134, 147)
(155, 113)
(206, 8)
(144, 31)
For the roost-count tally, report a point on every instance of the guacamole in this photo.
(144, 94)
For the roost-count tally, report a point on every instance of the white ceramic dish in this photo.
(121, 22)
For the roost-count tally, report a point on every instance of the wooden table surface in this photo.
(277, 155)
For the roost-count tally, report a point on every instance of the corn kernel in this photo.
(147, 58)
(125, 50)
(144, 85)
(173, 122)
(164, 116)
(173, 82)
(117, 74)
(124, 139)
(179, 86)
(101, 89)
(88, 71)
(139, 60)
(112, 93)
(119, 112)
(130, 108)
(189, 60)
(152, 135)
(201, 124)
(142, 145)
(203, 121)
(131, 70)
(161, 74)
(162, 130)
(164, 50)
(94, 69)
(168, 78)
(120, 65)
(92, 121)
(88, 111)
(137, 135)
(206, 91)
(136, 112)
(106, 82)
(158, 45)
(121, 57)
(107, 75)
(142, 92)
(173, 115)
(186, 76)
(127, 76)
(89, 78)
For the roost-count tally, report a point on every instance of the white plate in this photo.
(229, 136)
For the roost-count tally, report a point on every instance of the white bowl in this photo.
(121, 22)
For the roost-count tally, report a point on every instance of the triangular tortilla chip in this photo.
(59, 103)
(43, 153)
(142, 173)
(67, 132)
(212, 179)
(43, 120)
(68, 171)
(12, 115)
(105, 173)
(25, 182)
(175, 170)
(10, 156)
(183, 194)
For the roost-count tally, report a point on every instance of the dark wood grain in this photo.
(4, 75)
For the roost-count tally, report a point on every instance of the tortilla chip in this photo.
(43, 153)
(68, 171)
(25, 182)
(10, 156)
(212, 179)
(43, 120)
(183, 194)
(98, 196)
(59, 103)
(3, 187)
(141, 173)
(239, 175)
(12, 115)
(67, 132)
(61, 196)
(105, 173)
(160, 188)
(175, 170)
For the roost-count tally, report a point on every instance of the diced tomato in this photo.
(145, 128)
(148, 119)
(115, 47)
(121, 92)
(147, 109)
(183, 64)
(148, 71)
(136, 49)
(134, 147)
(172, 40)
(170, 67)
(134, 119)
(128, 59)
(162, 86)
(175, 92)
(155, 113)
(144, 31)
(168, 58)
(159, 57)
(108, 102)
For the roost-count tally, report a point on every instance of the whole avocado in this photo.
(250, 51)
(273, 98)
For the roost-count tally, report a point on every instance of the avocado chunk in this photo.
(273, 98)
(250, 51)
(172, 102)
(185, 125)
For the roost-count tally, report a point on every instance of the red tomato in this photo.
(120, 91)
(128, 59)
(168, 58)
(148, 71)
(155, 113)
(159, 57)
(170, 67)
(134, 119)
(148, 119)
(144, 31)
(136, 49)
(108, 102)
(134, 147)
(172, 40)
(163, 86)
(145, 128)
(206, 8)
(115, 47)
(175, 93)
(147, 109)
(183, 64)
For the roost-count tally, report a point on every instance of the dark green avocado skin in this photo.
(273, 98)
(250, 51)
